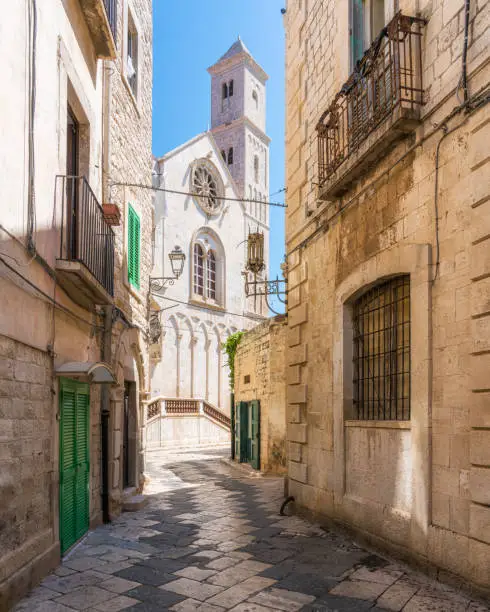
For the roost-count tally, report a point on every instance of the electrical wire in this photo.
(196, 195)
(201, 307)
(49, 298)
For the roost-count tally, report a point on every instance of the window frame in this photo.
(133, 84)
(133, 260)
(381, 335)
(211, 270)
(362, 29)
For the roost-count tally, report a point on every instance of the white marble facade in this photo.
(208, 303)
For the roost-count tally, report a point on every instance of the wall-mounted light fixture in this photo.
(177, 261)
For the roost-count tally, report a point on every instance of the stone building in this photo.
(73, 328)
(227, 170)
(260, 397)
(387, 234)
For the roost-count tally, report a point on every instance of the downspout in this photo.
(464, 76)
(108, 310)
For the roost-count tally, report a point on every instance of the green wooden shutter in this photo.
(68, 461)
(134, 247)
(255, 435)
(74, 462)
(82, 444)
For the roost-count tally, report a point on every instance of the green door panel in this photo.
(74, 461)
(243, 429)
(255, 434)
(237, 431)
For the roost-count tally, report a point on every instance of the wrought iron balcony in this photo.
(101, 18)
(379, 104)
(85, 266)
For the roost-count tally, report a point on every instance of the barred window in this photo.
(381, 320)
(198, 269)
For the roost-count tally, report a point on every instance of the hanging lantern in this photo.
(255, 252)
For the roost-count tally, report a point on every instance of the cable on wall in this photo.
(48, 297)
(31, 189)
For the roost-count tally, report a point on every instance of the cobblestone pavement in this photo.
(211, 539)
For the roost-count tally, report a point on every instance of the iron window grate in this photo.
(381, 320)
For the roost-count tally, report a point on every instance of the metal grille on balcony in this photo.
(387, 78)
(111, 12)
(85, 236)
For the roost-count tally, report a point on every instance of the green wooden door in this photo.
(255, 434)
(242, 431)
(236, 437)
(74, 462)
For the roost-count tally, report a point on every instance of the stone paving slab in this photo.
(212, 539)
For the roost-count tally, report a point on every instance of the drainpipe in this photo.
(104, 415)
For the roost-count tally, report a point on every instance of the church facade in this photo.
(215, 191)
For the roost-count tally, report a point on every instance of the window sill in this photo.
(136, 293)
(379, 424)
(134, 100)
(203, 302)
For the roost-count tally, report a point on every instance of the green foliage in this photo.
(230, 348)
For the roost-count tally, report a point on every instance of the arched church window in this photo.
(207, 186)
(256, 168)
(208, 268)
(224, 91)
(255, 96)
(198, 270)
(223, 155)
(211, 275)
(230, 156)
(230, 88)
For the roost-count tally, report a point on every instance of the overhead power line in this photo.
(200, 307)
(197, 195)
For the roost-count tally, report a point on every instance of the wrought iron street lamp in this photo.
(177, 261)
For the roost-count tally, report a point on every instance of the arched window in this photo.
(198, 270)
(256, 168)
(230, 156)
(211, 275)
(223, 155)
(255, 96)
(230, 88)
(209, 268)
(224, 91)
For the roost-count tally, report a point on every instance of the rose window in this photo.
(206, 188)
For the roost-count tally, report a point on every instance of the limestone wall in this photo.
(260, 375)
(429, 476)
(129, 160)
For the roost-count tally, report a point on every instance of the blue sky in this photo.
(189, 36)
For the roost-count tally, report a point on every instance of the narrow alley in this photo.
(212, 539)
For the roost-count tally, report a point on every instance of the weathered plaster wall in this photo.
(260, 375)
(387, 226)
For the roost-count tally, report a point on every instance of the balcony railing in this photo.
(85, 236)
(111, 12)
(387, 83)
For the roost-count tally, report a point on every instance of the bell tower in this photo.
(238, 110)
